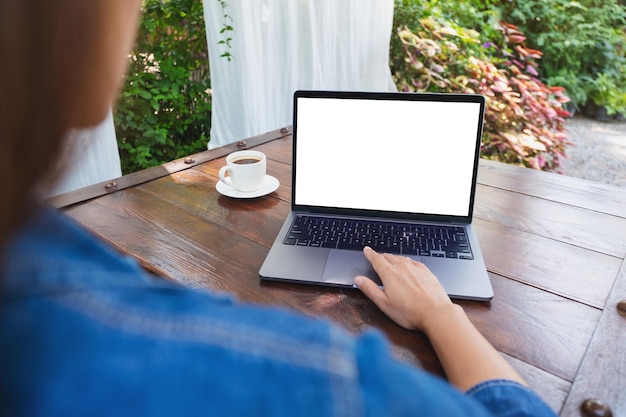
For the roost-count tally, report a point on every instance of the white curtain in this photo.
(279, 46)
(91, 156)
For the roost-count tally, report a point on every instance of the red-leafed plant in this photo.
(524, 118)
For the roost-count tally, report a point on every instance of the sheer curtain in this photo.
(91, 156)
(279, 46)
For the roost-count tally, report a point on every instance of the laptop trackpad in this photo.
(343, 265)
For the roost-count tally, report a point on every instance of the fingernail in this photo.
(358, 281)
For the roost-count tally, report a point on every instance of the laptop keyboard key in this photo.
(409, 251)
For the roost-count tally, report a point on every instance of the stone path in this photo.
(599, 153)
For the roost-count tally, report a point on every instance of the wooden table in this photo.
(554, 246)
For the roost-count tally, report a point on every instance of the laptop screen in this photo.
(395, 152)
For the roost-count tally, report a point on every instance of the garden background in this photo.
(536, 61)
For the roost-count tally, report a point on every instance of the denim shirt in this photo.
(84, 331)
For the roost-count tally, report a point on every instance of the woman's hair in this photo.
(45, 46)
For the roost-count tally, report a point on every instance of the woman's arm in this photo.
(414, 298)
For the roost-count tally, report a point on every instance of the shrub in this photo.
(461, 15)
(584, 46)
(165, 108)
(524, 120)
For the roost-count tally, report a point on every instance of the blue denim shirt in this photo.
(85, 332)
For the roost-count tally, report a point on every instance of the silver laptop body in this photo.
(405, 161)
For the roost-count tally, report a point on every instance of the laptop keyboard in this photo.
(389, 237)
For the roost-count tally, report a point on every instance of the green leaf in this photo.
(145, 94)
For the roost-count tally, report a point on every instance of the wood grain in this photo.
(593, 196)
(535, 326)
(602, 374)
(258, 219)
(565, 223)
(568, 270)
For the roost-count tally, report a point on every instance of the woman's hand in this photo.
(412, 295)
(414, 298)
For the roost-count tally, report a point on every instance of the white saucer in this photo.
(270, 184)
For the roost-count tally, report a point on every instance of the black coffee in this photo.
(246, 160)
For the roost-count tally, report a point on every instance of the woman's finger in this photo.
(371, 290)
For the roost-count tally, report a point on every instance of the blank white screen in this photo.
(403, 156)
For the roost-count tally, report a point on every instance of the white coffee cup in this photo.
(246, 170)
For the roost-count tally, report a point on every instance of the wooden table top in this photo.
(554, 246)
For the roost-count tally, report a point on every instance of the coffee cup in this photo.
(245, 169)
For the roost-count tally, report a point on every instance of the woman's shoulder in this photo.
(51, 253)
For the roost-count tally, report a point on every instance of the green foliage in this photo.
(226, 30)
(165, 108)
(609, 90)
(462, 15)
(584, 44)
(524, 120)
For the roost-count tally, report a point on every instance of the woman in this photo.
(84, 331)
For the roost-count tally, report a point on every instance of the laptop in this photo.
(393, 171)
